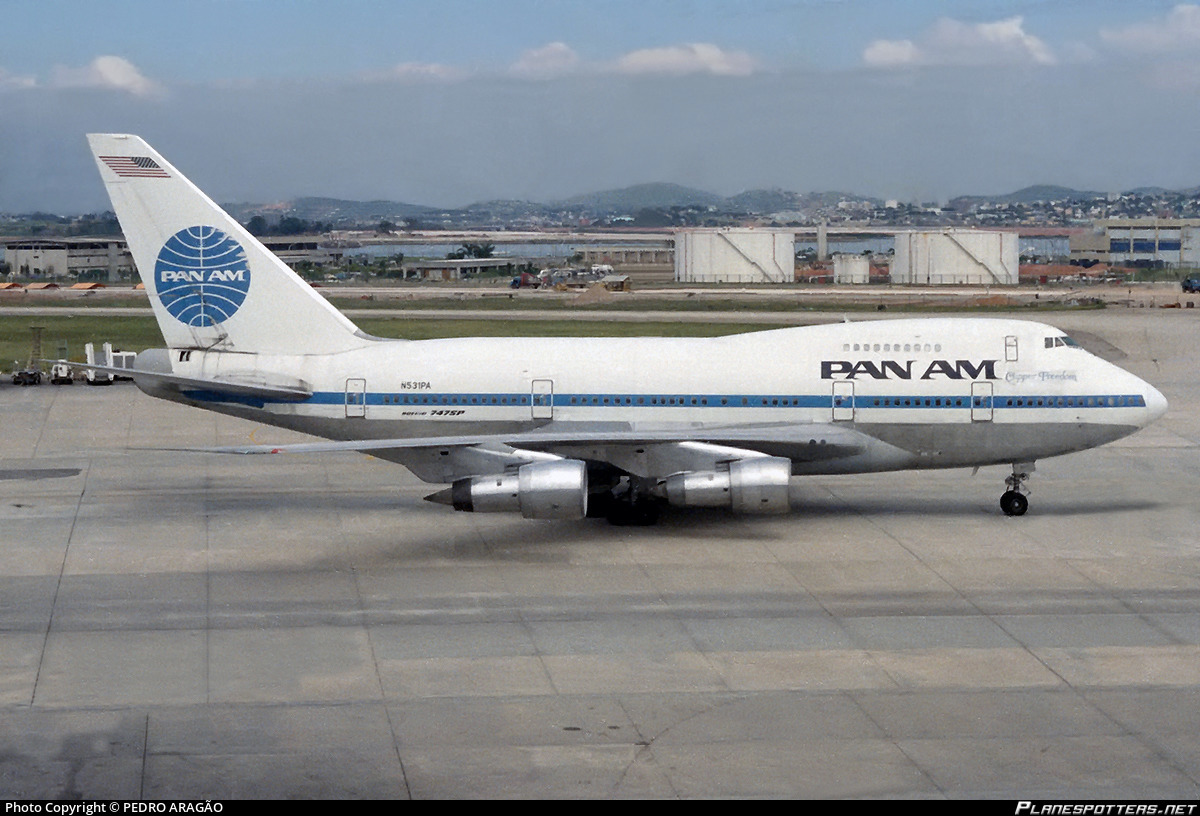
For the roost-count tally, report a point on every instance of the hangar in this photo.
(1139, 241)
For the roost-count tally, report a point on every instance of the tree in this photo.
(290, 225)
(477, 250)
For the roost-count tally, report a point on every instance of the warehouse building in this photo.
(100, 259)
(1139, 242)
(109, 260)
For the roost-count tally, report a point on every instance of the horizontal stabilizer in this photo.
(240, 388)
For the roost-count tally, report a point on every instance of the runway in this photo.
(179, 625)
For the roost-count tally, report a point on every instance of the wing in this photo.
(643, 452)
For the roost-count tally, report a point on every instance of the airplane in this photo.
(607, 427)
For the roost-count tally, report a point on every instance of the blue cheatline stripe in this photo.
(823, 401)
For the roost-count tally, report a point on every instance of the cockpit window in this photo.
(1052, 342)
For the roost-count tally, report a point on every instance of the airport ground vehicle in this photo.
(60, 374)
(1191, 284)
(27, 376)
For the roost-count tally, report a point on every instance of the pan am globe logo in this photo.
(202, 276)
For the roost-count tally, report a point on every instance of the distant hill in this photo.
(333, 210)
(764, 201)
(1048, 192)
(1028, 195)
(505, 208)
(646, 202)
(628, 200)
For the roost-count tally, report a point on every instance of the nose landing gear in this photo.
(1014, 502)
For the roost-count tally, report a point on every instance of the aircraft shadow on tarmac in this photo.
(956, 509)
(703, 521)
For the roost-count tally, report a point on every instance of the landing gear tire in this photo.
(1014, 503)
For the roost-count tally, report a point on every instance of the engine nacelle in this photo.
(758, 485)
(542, 490)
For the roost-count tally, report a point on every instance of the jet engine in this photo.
(758, 485)
(541, 490)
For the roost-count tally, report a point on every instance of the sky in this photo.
(452, 102)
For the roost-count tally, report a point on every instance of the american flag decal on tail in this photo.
(134, 167)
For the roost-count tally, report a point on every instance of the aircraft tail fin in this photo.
(211, 283)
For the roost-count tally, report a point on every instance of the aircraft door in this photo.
(356, 397)
(1010, 349)
(981, 402)
(843, 400)
(541, 399)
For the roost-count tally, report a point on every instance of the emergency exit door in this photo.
(356, 397)
(843, 400)
(981, 402)
(541, 399)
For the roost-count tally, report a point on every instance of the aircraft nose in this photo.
(1156, 403)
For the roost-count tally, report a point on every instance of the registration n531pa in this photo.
(598, 426)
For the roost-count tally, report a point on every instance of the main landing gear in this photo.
(1014, 502)
(627, 505)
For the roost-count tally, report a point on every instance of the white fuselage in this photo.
(933, 392)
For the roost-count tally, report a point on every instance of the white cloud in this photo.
(952, 42)
(1179, 29)
(107, 72)
(691, 58)
(557, 59)
(887, 53)
(8, 80)
(551, 60)
(415, 72)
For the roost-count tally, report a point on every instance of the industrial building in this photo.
(956, 256)
(647, 260)
(628, 255)
(735, 256)
(1139, 241)
(106, 259)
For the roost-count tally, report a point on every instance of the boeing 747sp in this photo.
(598, 426)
